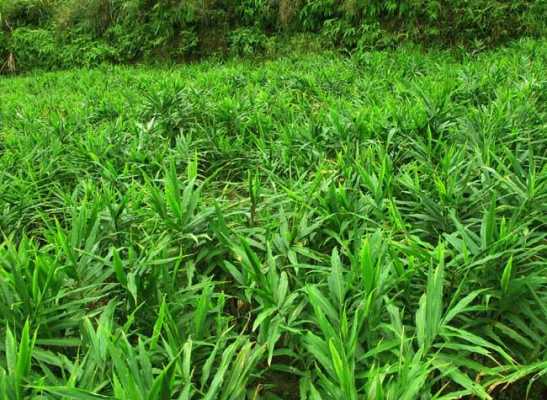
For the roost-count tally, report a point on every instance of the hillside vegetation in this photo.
(312, 227)
(68, 33)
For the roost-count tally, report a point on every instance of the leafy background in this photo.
(67, 33)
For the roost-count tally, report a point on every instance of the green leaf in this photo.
(506, 275)
(72, 393)
(336, 280)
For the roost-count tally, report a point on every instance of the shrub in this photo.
(259, 13)
(40, 48)
(247, 42)
(139, 27)
(89, 16)
(165, 28)
(34, 48)
(85, 51)
(14, 13)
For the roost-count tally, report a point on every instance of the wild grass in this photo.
(314, 227)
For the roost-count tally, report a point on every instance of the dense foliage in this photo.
(314, 227)
(66, 33)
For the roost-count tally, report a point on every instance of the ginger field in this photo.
(311, 227)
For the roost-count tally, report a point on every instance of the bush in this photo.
(34, 48)
(16, 13)
(259, 13)
(40, 48)
(247, 42)
(88, 16)
(167, 29)
(85, 51)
